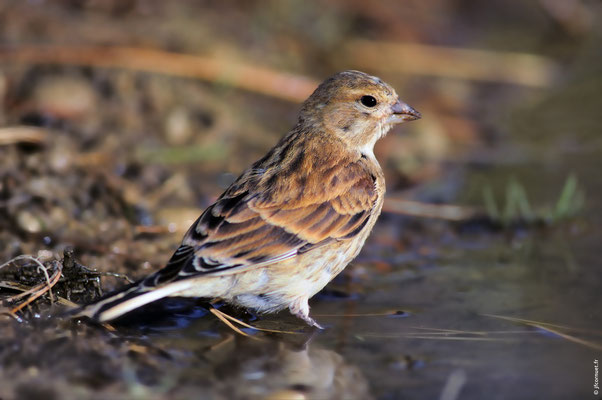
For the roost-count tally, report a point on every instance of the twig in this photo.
(472, 64)
(257, 79)
(22, 134)
(151, 229)
(27, 292)
(55, 279)
(12, 315)
(40, 267)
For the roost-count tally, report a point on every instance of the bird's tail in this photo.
(117, 304)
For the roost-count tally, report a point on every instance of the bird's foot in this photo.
(311, 322)
(300, 309)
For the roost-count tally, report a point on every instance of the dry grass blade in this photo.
(427, 333)
(465, 338)
(434, 331)
(236, 320)
(587, 343)
(29, 291)
(436, 337)
(23, 288)
(21, 257)
(550, 328)
(222, 318)
(384, 314)
(249, 77)
(38, 290)
(548, 324)
(55, 278)
(45, 272)
(256, 328)
(40, 267)
(481, 333)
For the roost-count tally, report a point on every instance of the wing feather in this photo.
(247, 228)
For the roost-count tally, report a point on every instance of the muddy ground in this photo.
(107, 156)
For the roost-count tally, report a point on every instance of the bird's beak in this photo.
(403, 112)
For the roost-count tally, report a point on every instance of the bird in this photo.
(293, 220)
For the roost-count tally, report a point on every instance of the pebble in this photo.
(28, 222)
(66, 96)
(178, 127)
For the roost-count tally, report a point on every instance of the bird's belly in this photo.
(277, 286)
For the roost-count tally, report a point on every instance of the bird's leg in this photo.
(300, 309)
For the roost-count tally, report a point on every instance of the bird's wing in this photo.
(246, 229)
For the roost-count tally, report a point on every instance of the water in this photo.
(445, 332)
(423, 313)
(435, 334)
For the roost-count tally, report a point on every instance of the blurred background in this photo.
(120, 121)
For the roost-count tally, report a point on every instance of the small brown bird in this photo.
(293, 220)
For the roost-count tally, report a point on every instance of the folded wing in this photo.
(245, 229)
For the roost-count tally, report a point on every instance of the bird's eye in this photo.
(368, 101)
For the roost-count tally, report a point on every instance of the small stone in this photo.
(65, 96)
(45, 255)
(57, 217)
(28, 222)
(178, 127)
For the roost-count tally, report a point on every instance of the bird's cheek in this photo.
(339, 121)
(362, 131)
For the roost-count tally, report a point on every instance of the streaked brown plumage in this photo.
(294, 219)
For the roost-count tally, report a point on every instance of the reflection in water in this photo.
(275, 369)
(264, 366)
(208, 358)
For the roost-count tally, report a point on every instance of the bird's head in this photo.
(357, 108)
